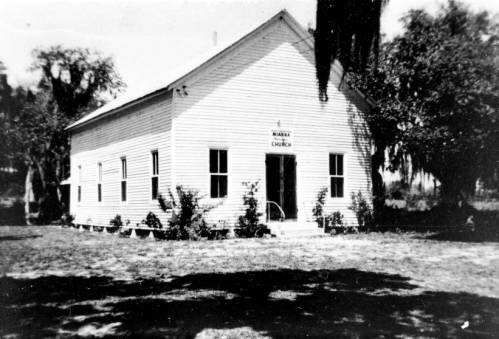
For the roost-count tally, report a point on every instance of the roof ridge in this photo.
(128, 99)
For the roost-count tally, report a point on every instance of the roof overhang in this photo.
(117, 106)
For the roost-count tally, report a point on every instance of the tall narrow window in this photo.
(218, 173)
(336, 176)
(154, 174)
(79, 183)
(99, 182)
(123, 178)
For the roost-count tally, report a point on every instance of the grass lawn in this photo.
(61, 282)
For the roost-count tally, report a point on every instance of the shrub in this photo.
(160, 234)
(126, 231)
(318, 209)
(152, 221)
(116, 222)
(362, 210)
(334, 221)
(249, 223)
(141, 232)
(67, 220)
(187, 219)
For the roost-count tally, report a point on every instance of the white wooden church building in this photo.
(248, 112)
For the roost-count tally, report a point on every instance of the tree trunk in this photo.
(29, 194)
(377, 162)
(41, 198)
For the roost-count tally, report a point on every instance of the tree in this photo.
(78, 79)
(5, 109)
(11, 101)
(437, 88)
(73, 81)
(347, 31)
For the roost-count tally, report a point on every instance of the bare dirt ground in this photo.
(60, 282)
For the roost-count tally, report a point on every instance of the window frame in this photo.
(79, 190)
(123, 179)
(342, 176)
(218, 173)
(99, 182)
(154, 173)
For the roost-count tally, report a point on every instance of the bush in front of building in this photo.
(116, 224)
(152, 221)
(363, 211)
(335, 223)
(249, 223)
(318, 211)
(187, 219)
(67, 220)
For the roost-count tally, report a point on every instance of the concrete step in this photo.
(295, 229)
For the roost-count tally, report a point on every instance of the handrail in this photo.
(283, 215)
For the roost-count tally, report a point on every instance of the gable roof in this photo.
(132, 98)
(194, 67)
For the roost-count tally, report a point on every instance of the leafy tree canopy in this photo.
(77, 78)
(437, 88)
(73, 81)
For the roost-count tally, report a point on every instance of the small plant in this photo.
(67, 220)
(152, 221)
(249, 223)
(363, 211)
(187, 219)
(318, 211)
(126, 231)
(335, 222)
(336, 219)
(116, 222)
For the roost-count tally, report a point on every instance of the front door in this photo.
(281, 184)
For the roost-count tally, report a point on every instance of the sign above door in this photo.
(281, 138)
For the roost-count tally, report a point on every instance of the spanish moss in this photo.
(347, 31)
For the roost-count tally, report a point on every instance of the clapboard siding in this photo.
(133, 133)
(235, 105)
(232, 104)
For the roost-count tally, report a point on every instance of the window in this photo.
(218, 173)
(79, 183)
(123, 178)
(154, 174)
(99, 182)
(336, 175)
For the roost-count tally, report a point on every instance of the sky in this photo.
(149, 38)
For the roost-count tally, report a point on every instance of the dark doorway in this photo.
(281, 184)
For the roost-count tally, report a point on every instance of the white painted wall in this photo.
(133, 133)
(235, 105)
(232, 105)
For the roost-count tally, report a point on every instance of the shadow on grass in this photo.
(466, 236)
(19, 237)
(294, 303)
